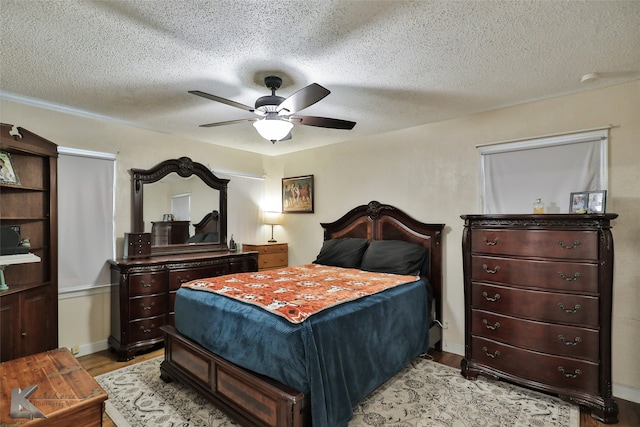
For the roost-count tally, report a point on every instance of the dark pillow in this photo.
(196, 238)
(210, 238)
(394, 256)
(345, 253)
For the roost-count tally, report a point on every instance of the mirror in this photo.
(182, 204)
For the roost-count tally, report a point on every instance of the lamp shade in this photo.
(273, 129)
(272, 217)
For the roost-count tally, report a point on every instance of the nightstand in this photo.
(270, 255)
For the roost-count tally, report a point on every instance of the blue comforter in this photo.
(338, 356)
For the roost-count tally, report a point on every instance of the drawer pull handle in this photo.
(187, 279)
(488, 270)
(493, 356)
(146, 331)
(493, 328)
(576, 341)
(488, 243)
(576, 243)
(568, 278)
(147, 307)
(569, 310)
(488, 298)
(569, 374)
(147, 285)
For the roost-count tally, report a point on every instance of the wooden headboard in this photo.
(375, 221)
(209, 224)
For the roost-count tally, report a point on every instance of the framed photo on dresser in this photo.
(588, 202)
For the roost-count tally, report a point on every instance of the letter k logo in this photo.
(21, 407)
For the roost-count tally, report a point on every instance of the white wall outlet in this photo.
(75, 349)
(445, 325)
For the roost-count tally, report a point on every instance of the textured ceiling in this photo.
(388, 64)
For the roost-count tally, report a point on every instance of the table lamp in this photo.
(272, 218)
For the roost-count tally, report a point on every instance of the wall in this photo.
(431, 172)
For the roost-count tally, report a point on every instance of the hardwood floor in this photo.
(104, 361)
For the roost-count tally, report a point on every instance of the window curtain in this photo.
(86, 190)
(246, 192)
(515, 174)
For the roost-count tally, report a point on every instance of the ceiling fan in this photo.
(277, 115)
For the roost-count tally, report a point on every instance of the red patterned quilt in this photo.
(296, 293)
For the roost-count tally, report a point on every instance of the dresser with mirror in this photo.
(148, 279)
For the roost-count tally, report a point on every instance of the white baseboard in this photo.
(626, 392)
(453, 348)
(94, 347)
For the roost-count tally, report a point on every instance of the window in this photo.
(85, 219)
(514, 174)
(181, 207)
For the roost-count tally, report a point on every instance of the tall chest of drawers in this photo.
(144, 299)
(538, 299)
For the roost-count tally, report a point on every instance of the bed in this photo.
(262, 370)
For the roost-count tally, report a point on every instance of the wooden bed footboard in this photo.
(245, 396)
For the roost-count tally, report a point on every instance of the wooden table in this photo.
(67, 395)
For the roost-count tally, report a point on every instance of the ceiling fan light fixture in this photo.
(277, 114)
(273, 129)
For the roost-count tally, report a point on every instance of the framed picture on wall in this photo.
(297, 194)
(8, 173)
(588, 202)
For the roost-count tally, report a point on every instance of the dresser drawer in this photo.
(247, 263)
(146, 329)
(147, 283)
(554, 275)
(272, 260)
(147, 306)
(550, 338)
(562, 308)
(561, 244)
(271, 248)
(554, 371)
(178, 277)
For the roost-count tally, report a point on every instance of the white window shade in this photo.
(246, 192)
(85, 218)
(515, 174)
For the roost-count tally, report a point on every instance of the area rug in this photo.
(424, 394)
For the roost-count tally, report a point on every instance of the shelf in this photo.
(18, 259)
(14, 289)
(24, 218)
(21, 187)
(8, 260)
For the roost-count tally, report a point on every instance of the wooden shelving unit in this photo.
(29, 308)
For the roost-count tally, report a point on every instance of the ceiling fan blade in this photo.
(322, 122)
(223, 100)
(229, 122)
(303, 98)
